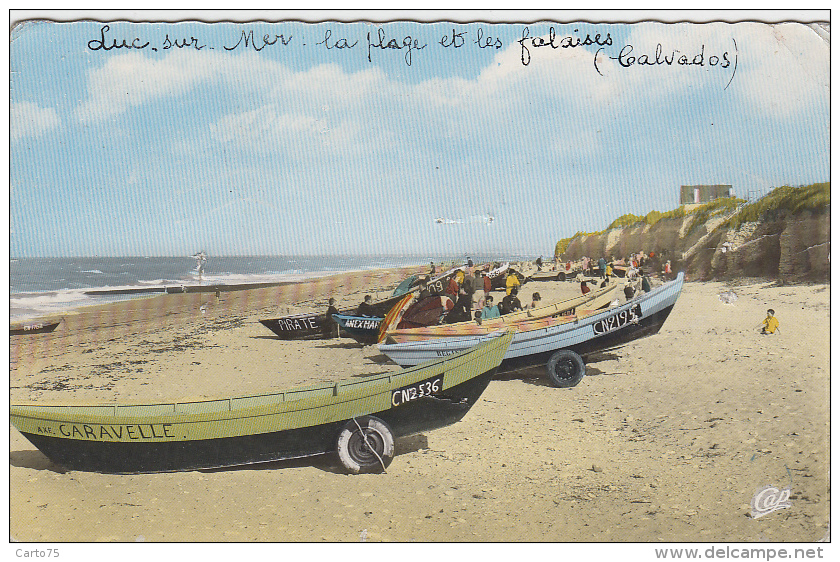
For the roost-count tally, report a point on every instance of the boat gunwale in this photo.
(501, 322)
(595, 316)
(332, 395)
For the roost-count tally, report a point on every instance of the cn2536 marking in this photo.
(417, 390)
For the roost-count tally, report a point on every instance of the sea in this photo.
(49, 286)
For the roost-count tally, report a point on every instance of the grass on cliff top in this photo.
(792, 199)
(712, 208)
(785, 198)
(629, 219)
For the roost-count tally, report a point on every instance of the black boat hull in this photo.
(416, 416)
(315, 326)
(34, 328)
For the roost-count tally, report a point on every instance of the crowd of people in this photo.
(469, 286)
(634, 270)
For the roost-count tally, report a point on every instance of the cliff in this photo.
(785, 235)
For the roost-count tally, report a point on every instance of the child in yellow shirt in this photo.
(770, 324)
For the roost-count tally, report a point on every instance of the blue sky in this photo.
(300, 149)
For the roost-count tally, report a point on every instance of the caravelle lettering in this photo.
(111, 432)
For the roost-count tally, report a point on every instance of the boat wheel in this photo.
(565, 368)
(365, 445)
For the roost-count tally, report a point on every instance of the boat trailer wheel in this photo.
(565, 368)
(365, 445)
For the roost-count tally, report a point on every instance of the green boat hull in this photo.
(255, 429)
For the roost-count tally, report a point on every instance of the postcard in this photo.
(368, 277)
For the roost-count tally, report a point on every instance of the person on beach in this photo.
(645, 283)
(609, 270)
(512, 281)
(461, 311)
(460, 276)
(488, 284)
(366, 307)
(770, 324)
(469, 287)
(424, 290)
(629, 291)
(490, 310)
(539, 263)
(432, 269)
(668, 270)
(331, 326)
(452, 288)
(535, 300)
(478, 290)
(511, 302)
(602, 267)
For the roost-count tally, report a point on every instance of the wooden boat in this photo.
(33, 328)
(620, 270)
(315, 325)
(498, 277)
(426, 312)
(560, 343)
(547, 276)
(437, 285)
(407, 285)
(357, 418)
(593, 300)
(365, 329)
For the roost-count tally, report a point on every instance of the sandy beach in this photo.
(666, 439)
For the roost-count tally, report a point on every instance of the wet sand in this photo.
(665, 439)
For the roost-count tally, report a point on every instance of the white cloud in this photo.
(131, 79)
(267, 105)
(266, 129)
(30, 120)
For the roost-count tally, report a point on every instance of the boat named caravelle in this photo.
(358, 419)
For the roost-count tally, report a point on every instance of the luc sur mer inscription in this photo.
(384, 42)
